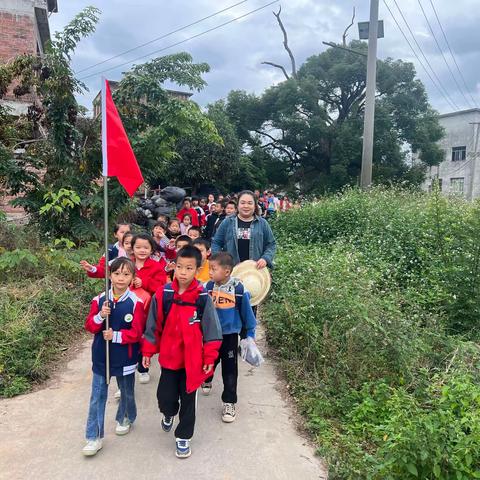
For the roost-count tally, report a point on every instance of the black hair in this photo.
(161, 225)
(127, 234)
(187, 215)
(167, 218)
(232, 202)
(189, 251)
(121, 262)
(117, 226)
(144, 236)
(202, 241)
(173, 220)
(224, 259)
(183, 238)
(247, 192)
(223, 203)
(195, 229)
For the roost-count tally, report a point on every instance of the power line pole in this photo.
(368, 125)
(473, 168)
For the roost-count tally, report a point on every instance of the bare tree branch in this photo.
(276, 65)
(274, 144)
(27, 142)
(344, 36)
(285, 42)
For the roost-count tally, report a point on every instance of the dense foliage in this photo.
(311, 125)
(56, 149)
(374, 314)
(43, 303)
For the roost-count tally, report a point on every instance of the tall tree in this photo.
(156, 121)
(52, 144)
(208, 162)
(57, 175)
(312, 124)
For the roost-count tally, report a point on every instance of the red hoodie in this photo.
(182, 340)
(192, 212)
(152, 274)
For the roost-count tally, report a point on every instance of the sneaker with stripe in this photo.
(167, 423)
(183, 449)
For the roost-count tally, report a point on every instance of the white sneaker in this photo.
(206, 388)
(144, 377)
(228, 412)
(123, 428)
(117, 395)
(92, 447)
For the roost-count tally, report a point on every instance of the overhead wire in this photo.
(441, 52)
(451, 53)
(169, 34)
(181, 41)
(443, 93)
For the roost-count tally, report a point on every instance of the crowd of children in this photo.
(168, 296)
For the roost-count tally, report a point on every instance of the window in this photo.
(456, 185)
(459, 153)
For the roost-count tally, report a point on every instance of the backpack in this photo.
(168, 300)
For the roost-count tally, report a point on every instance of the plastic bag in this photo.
(173, 194)
(250, 352)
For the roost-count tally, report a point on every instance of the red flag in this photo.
(118, 157)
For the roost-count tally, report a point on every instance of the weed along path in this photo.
(42, 434)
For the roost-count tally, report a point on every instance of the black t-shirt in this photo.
(243, 238)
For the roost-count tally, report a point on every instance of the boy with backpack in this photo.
(183, 327)
(232, 303)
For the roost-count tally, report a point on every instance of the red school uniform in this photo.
(192, 213)
(183, 340)
(152, 274)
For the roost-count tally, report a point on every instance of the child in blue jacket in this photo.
(126, 325)
(235, 313)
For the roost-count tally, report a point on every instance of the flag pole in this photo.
(105, 219)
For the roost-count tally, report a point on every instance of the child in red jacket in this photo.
(150, 275)
(187, 208)
(183, 327)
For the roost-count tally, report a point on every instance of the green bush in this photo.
(373, 312)
(44, 300)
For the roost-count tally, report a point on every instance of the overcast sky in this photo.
(235, 52)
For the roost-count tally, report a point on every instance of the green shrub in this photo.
(44, 299)
(373, 310)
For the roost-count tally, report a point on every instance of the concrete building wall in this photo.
(460, 174)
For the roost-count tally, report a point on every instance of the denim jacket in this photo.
(262, 242)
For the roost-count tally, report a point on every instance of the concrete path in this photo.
(42, 434)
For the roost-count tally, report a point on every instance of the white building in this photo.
(459, 173)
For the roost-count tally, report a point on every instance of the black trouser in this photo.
(172, 396)
(229, 358)
(140, 367)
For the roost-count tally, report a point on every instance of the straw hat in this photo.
(256, 281)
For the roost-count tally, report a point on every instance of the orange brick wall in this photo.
(17, 35)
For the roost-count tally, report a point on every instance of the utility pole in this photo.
(473, 167)
(368, 125)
